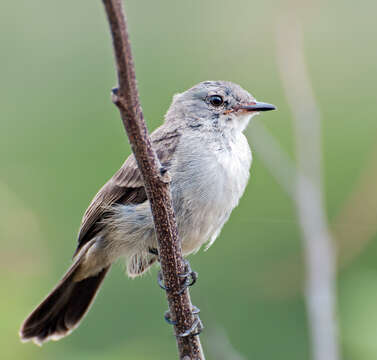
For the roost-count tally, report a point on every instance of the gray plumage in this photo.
(202, 145)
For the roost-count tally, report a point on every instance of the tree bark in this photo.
(156, 184)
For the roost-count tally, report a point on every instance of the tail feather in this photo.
(63, 308)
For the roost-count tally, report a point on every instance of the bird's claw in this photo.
(160, 281)
(189, 277)
(168, 319)
(165, 177)
(197, 326)
(163, 170)
(115, 95)
(195, 329)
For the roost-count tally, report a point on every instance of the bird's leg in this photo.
(190, 278)
(160, 279)
(163, 170)
(165, 177)
(153, 251)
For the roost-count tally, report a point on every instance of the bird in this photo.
(202, 146)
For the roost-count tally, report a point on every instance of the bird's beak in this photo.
(257, 106)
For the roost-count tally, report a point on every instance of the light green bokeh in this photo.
(61, 139)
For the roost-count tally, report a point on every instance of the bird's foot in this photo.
(165, 177)
(195, 329)
(115, 95)
(153, 251)
(189, 278)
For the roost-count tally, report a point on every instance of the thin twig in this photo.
(157, 186)
(356, 222)
(303, 184)
(320, 284)
(318, 244)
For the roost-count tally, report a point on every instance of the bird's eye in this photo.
(216, 100)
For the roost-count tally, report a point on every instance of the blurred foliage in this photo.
(61, 139)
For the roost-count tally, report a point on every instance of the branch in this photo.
(318, 244)
(303, 184)
(157, 186)
(320, 258)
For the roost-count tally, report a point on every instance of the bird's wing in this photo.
(126, 186)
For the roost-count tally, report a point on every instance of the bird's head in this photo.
(219, 104)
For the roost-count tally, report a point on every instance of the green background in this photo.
(61, 138)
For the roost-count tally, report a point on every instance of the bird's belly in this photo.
(208, 198)
(205, 226)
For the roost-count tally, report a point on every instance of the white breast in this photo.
(208, 183)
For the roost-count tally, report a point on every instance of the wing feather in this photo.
(126, 186)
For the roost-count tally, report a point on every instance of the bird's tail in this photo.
(62, 310)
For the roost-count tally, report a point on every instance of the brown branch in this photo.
(157, 186)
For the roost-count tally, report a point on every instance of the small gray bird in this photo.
(202, 145)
